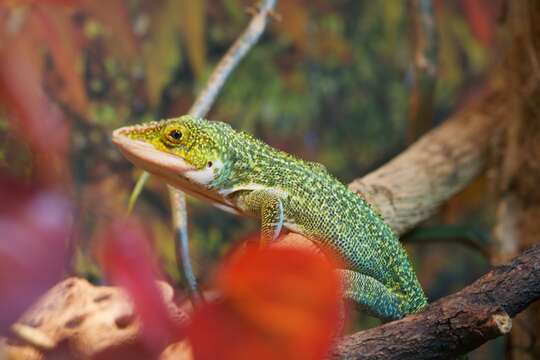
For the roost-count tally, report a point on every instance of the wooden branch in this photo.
(457, 323)
(412, 186)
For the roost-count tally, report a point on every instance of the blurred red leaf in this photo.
(53, 27)
(40, 122)
(59, 2)
(35, 228)
(481, 17)
(26, 2)
(217, 331)
(277, 304)
(125, 255)
(36, 120)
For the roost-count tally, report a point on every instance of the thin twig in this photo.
(471, 238)
(183, 259)
(199, 109)
(230, 60)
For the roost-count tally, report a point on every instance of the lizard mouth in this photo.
(147, 157)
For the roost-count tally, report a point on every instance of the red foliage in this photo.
(125, 255)
(35, 119)
(51, 2)
(277, 304)
(481, 17)
(35, 228)
(480, 14)
(36, 221)
(39, 122)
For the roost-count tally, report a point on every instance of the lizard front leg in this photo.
(268, 206)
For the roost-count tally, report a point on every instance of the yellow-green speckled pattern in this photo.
(315, 204)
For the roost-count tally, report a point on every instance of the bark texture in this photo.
(457, 323)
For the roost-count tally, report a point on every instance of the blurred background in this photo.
(330, 81)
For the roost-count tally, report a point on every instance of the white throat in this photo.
(206, 175)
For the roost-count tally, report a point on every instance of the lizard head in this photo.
(185, 151)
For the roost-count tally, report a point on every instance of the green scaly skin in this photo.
(241, 174)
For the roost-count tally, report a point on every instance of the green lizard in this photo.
(243, 175)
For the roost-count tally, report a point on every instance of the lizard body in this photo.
(243, 175)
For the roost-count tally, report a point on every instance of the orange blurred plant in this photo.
(274, 303)
(277, 303)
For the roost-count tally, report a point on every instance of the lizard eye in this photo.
(175, 135)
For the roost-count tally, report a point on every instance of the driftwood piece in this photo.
(77, 320)
(457, 323)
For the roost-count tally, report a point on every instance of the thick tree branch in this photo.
(412, 186)
(457, 323)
